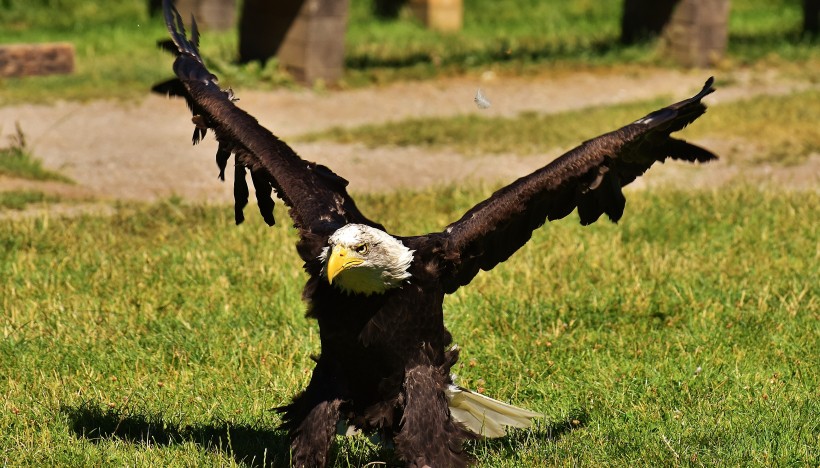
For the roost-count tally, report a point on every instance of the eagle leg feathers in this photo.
(312, 439)
(428, 435)
(312, 417)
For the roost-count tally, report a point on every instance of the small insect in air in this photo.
(481, 100)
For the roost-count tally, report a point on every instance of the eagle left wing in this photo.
(317, 197)
(588, 178)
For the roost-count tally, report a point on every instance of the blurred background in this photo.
(334, 74)
(387, 40)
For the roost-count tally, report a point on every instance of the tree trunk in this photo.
(307, 36)
(698, 32)
(263, 27)
(388, 9)
(811, 17)
(210, 14)
(645, 19)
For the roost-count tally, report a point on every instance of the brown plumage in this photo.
(386, 355)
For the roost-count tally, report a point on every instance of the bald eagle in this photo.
(386, 355)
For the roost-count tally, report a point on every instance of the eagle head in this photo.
(361, 259)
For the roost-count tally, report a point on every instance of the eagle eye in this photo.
(361, 249)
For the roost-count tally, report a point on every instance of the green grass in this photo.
(117, 55)
(783, 128)
(17, 161)
(516, 36)
(163, 335)
(116, 51)
(20, 200)
(529, 35)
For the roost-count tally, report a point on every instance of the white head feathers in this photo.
(364, 260)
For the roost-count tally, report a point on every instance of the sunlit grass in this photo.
(19, 200)
(16, 161)
(783, 128)
(164, 335)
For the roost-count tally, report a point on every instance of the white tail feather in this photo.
(480, 414)
(484, 415)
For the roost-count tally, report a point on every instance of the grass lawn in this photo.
(163, 335)
(783, 129)
(19, 200)
(17, 161)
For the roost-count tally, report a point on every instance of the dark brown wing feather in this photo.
(318, 199)
(588, 178)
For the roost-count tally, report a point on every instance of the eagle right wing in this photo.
(588, 178)
(317, 197)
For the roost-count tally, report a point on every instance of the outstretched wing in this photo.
(318, 199)
(588, 177)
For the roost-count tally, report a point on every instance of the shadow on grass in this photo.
(249, 446)
(503, 51)
(786, 45)
(265, 447)
(542, 431)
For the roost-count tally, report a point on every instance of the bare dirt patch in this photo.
(142, 151)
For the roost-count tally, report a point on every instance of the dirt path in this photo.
(141, 151)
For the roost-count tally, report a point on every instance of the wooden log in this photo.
(18, 60)
(698, 32)
(441, 15)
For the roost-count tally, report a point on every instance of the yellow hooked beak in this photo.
(340, 260)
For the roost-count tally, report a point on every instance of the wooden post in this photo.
(36, 59)
(441, 15)
(698, 32)
(209, 14)
(307, 36)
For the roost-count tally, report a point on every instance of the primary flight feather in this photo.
(386, 354)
